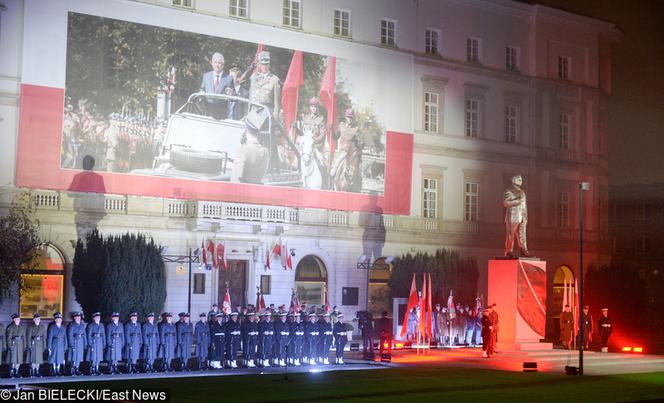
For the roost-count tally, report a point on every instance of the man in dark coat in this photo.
(249, 329)
(167, 339)
(36, 339)
(566, 327)
(265, 338)
(325, 337)
(151, 341)
(185, 337)
(340, 338)
(202, 338)
(133, 340)
(281, 339)
(77, 341)
(296, 331)
(218, 347)
(587, 321)
(495, 323)
(115, 340)
(487, 330)
(15, 336)
(96, 342)
(311, 334)
(233, 339)
(605, 329)
(56, 341)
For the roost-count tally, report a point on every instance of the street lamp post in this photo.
(583, 186)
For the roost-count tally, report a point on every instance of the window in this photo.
(431, 112)
(350, 295)
(471, 201)
(266, 284)
(431, 39)
(563, 67)
(473, 50)
(387, 31)
(472, 118)
(563, 131)
(511, 120)
(311, 280)
(238, 8)
(342, 23)
(563, 210)
(429, 197)
(199, 283)
(512, 58)
(291, 13)
(184, 3)
(44, 280)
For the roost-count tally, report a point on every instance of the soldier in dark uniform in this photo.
(202, 338)
(265, 339)
(36, 339)
(311, 339)
(56, 341)
(566, 327)
(77, 341)
(167, 339)
(218, 347)
(325, 338)
(96, 342)
(605, 329)
(185, 337)
(296, 330)
(340, 338)
(587, 321)
(150, 334)
(487, 330)
(15, 336)
(233, 339)
(495, 323)
(384, 330)
(249, 329)
(133, 340)
(115, 340)
(281, 339)
(366, 326)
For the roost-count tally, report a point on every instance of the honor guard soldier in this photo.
(56, 341)
(296, 329)
(115, 339)
(150, 334)
(281, 338)
(15, 336)
(487, 329)
(77, 342)
(265, 338)
(340, 338)
(311, 339)
(185, 336)
(249, 329)
(605, 329)
(325, 338)
(36, 339)
(167, 339)
(233, 339)
(587, 321)
(134, 340)
(202, 337)
(566, 327)
(96, 342)
(495, 323)
(218, 332)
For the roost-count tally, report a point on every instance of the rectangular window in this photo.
(473, 49)
(431, 39)
(563, 131)
(387, 31)
(184, 3)
(431, 112)
(350, 295)
(472, 118)
(292, 13)
(199, 283)
(563, 67)
(266, 285)
(342, 23)
(471, 201)
(238, 8)
(512, 58)
(429, 197)
(511, 120)
(563, 210)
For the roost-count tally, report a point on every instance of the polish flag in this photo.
(412, 302)
(327, 300)
(213, 259)
(203, 259)
(267, 260)
(295, 302)
(423, 306)
(226, 306)
(429, 311)
(221, 256)
(328, 99)
(290, 92)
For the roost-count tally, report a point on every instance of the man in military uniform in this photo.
(95, 342)
(587, 322)
(202, 339)
(605, 329)
(281, 338)
(348, 141)
(15, 336)
(366, 327)
(487, 331)
(77, 342)
(265, 338)
(218, 347)
(326, 336)
(134, 340)
(185, 337)
(249, 329)
(566, 327)
(251, 161)
(115, 339)
(36, 339)
(340, 338)
(168, 339)
(311, 334)
(384, 330)
(495, 323)
(296, 332)
(314, 122)
(56, 341)
(233, 339)
(150, 334)
(516, 217)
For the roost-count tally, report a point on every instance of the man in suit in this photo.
(516, 217)
(236, 110)
(215, 82)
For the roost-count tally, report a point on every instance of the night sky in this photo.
(636, 110)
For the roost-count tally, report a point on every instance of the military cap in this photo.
(234, 313)
(150, 315)
(586, 307)
(340, 315)
(57, 315)
(312, 314)
(181, 314)
(75, 314)
(264, 57)
(115, 315)
(251, 313)
(266, 313)
(36, 315)
(283, 313)
(15, 315)
(96, 314)
(605, 309)
(168, 314)
(202, 315)
(186, 315)
(133, 314)
(219, 314)
(293, 314)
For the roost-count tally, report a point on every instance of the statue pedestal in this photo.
(518, 287)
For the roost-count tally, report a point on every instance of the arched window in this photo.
(562, 275)
(44, 283)
(379, 291)
(311, 280)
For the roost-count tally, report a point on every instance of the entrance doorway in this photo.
(236, 278)
(562, 275)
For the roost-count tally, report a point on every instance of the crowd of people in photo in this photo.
(244, 337)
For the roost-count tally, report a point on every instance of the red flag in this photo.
(261, 304)
(289, 262)
(423, 306)
(221, 256)
(258, 299)
(226, 306)
(210, 251)
(412, 302)
(429, 311)
(327, 300)
(290, 92)
(295, 302)
(203, 254)
(328, 99)
(267, 260)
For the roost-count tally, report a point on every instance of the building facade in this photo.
(480, 90)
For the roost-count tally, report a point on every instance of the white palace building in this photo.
(464, 93)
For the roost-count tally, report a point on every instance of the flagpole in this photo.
(583, 186)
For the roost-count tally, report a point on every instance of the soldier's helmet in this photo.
(15, 315)
(264, 57)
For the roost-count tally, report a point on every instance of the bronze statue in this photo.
(516, 217)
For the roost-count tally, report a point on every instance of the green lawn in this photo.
(431, 384)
